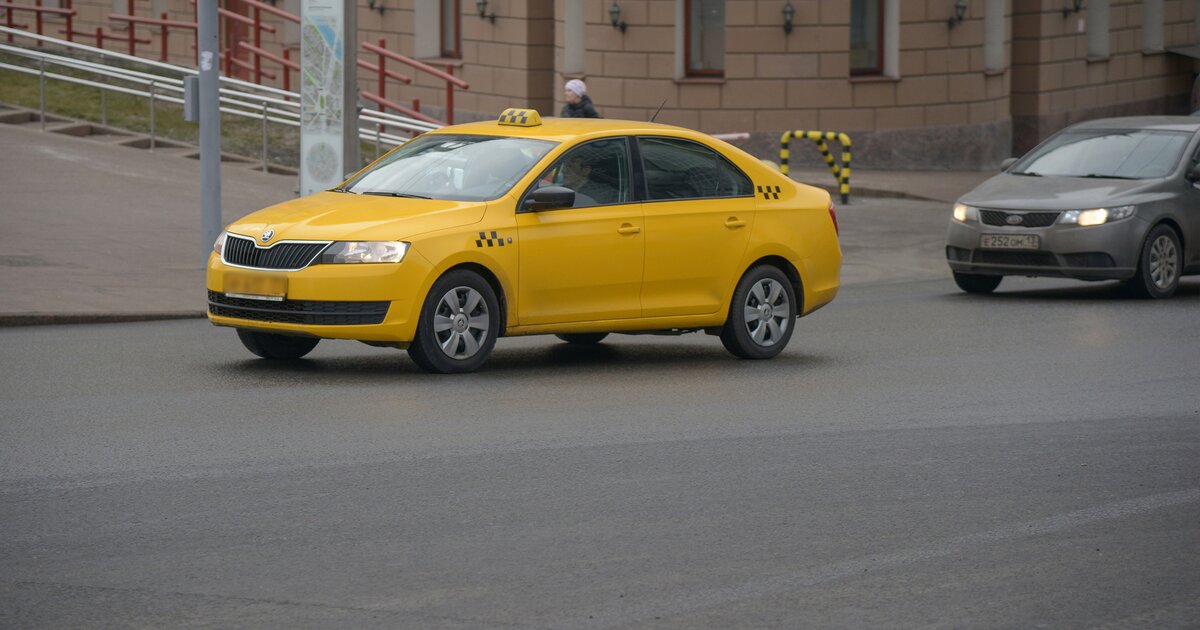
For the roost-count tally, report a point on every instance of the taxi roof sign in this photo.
(520, 117)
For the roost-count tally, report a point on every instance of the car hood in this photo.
(330, 216)
(1020, 192)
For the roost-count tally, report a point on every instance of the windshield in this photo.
(453, 167)
(1118, 154)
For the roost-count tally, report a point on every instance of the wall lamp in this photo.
(614, 12)
(960, 13)
(1075, 6)
(789, 12)
(483, 14)
(376, 5)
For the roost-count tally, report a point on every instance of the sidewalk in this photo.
(91, 232)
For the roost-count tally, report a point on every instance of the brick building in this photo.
(917, 83)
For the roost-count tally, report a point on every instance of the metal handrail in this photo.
(272, 105)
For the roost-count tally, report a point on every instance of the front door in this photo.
(583, 263)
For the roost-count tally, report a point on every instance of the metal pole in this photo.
(152, 115)
(42, 90)
(207, 42)
(378, 130)
(351, 161)
(104, 104)
(264, 130)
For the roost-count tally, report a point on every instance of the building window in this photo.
(866, 36)
(704, 37)
(1152, 25)
(450, 29)
(574, 34)
(1097, 29)
(993, 36)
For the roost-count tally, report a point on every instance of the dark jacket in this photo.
(582, 109)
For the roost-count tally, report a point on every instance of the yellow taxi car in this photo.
(522, 226)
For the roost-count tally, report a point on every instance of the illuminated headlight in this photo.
(1097, 216)
(219, 244)
(344, 252)
(964, 213)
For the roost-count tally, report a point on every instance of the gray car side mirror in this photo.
(550, 198)
(1007, 163)
(1194, 174)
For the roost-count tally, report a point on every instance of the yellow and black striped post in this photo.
(841, 171)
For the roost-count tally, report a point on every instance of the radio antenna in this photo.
(658, 110)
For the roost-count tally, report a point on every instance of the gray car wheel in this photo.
(1159, 265)
(458, 324)
(761, 315)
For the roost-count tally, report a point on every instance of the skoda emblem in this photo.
(1013, 219)
(268, 234)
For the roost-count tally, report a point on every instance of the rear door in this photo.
(699, 211)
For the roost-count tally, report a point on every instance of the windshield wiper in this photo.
(341, 190)
(1098, 176)
(1027, 173)
(388, 193)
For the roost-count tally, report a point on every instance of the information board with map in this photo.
(322, 109)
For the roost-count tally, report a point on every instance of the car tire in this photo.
(762, 314)
(976, 282)
(582, 339)
(277, 347)
(459, 322)
(1159, 264)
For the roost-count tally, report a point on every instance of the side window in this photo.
(682, 169)
(597, 171)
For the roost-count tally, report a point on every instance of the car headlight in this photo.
(1097, 216)
(964, 213)
(343, 252)
(219, 244)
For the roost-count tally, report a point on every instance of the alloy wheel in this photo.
(767, 312)
(1164, 262)
(460, 322)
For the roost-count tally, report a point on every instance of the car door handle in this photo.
(734, 222)
(628, 228)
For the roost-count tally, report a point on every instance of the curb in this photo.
(10, 320)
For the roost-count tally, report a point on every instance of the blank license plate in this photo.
(256, 285)
(1009, 241)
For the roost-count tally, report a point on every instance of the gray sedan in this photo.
(1107, 199)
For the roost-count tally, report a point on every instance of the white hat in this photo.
(577, 86)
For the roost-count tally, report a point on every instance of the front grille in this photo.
(1024, 259)
(1028, 219)
(297, 311)
(242, 251)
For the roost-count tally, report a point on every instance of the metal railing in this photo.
(237, 97)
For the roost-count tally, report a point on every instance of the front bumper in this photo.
(366, 302)
(1101, 252)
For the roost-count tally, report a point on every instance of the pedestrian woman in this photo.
(579, 104)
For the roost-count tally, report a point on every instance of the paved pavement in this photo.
(95, 232)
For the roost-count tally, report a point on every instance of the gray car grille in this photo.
(1028, 219)
(242, 251)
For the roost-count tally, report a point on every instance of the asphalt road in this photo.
(917, 457)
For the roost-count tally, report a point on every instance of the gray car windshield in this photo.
(1117, 154)
(453, 167)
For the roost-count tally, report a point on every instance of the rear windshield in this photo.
(452, 166)
(1107, 153)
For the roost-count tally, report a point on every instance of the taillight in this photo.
(833, 215)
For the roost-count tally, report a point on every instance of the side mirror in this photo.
(1194, 173)
(550, 198)
(1007, 163)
